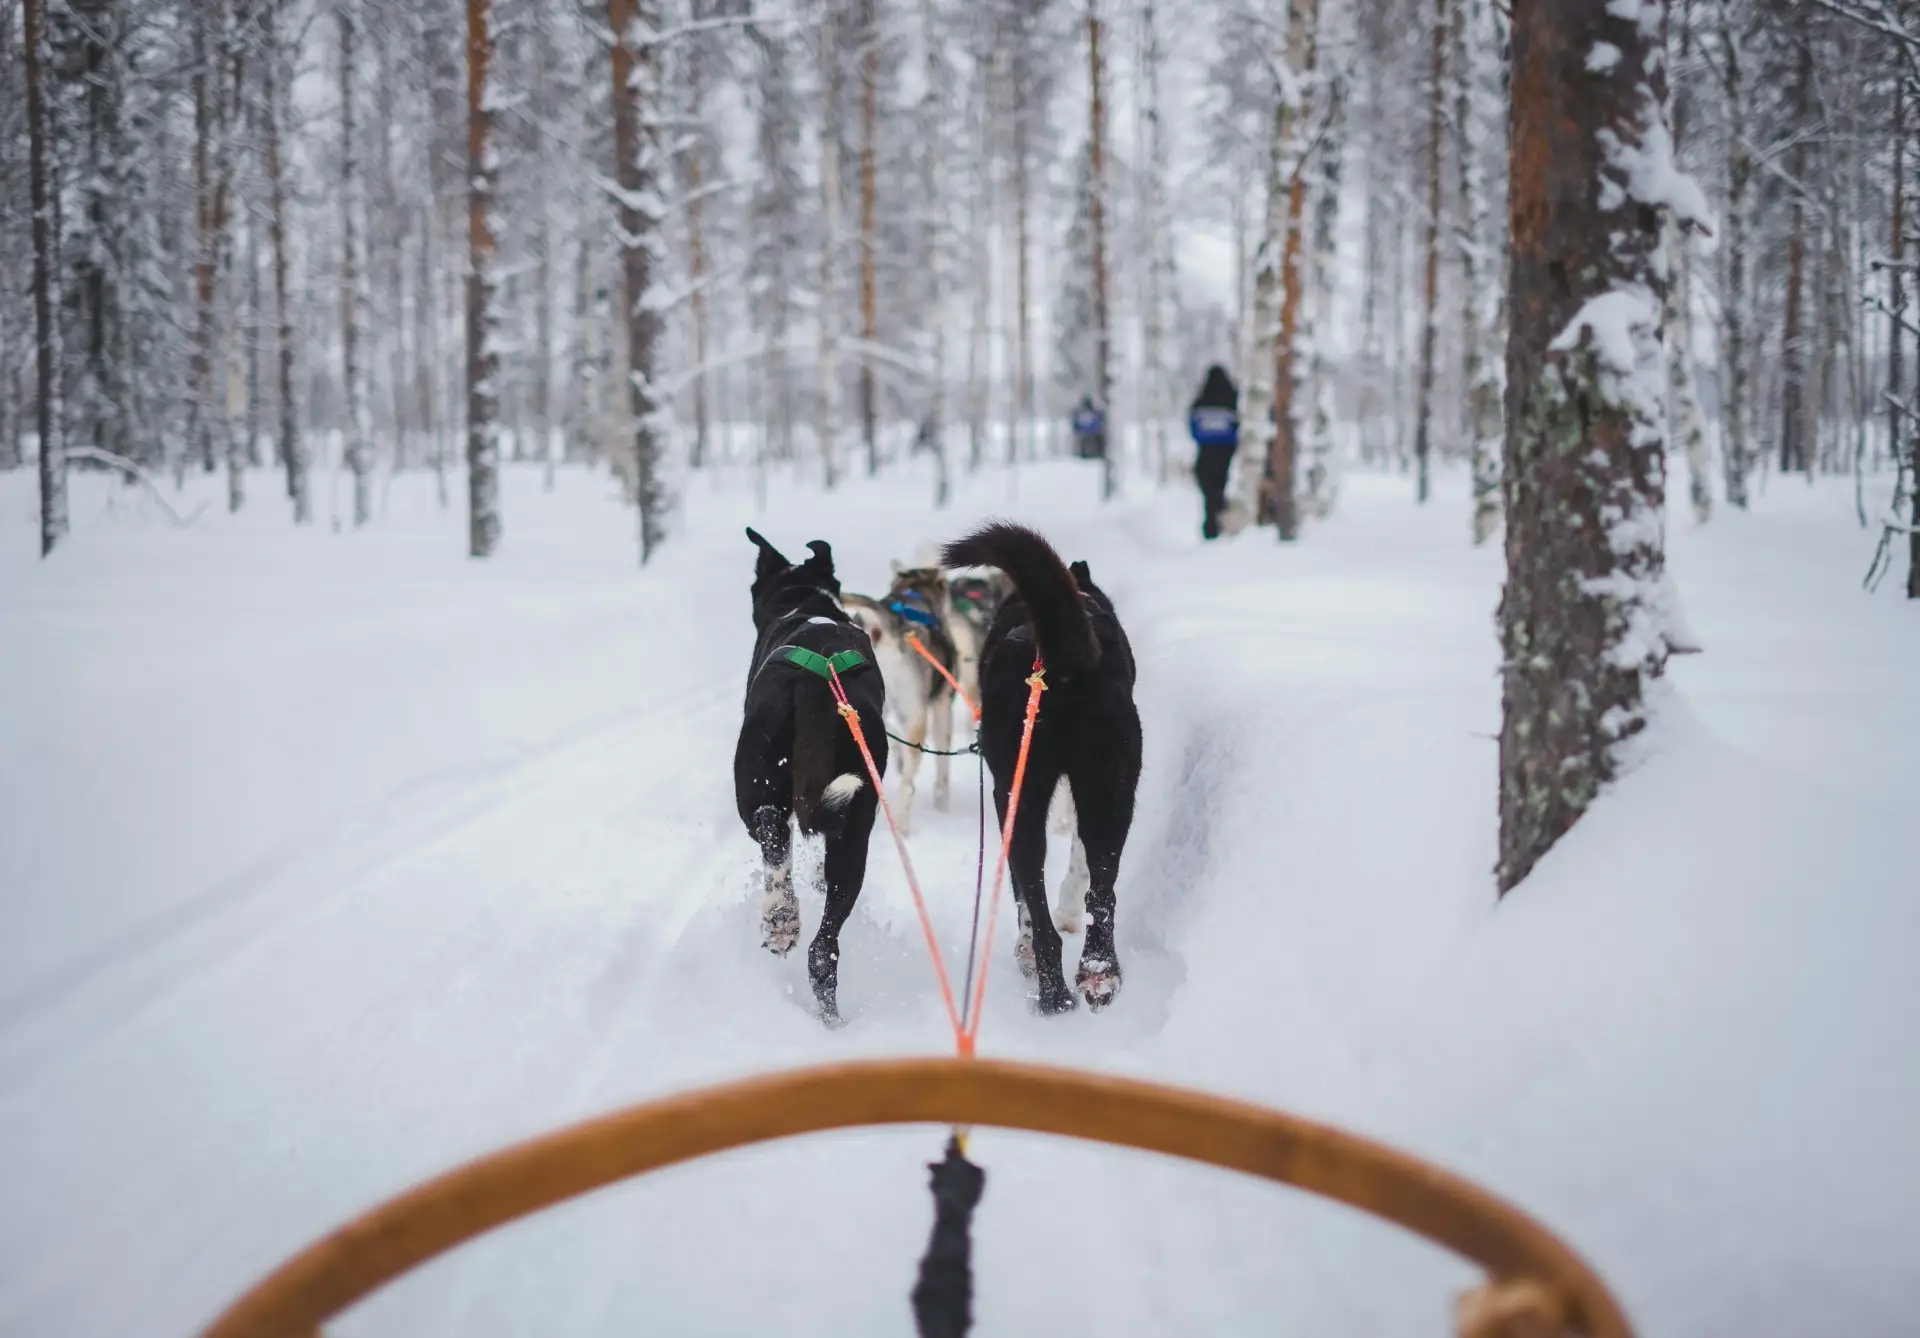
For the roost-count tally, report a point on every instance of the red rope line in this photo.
(1036, 684)
(963, 1042)
(913, 639)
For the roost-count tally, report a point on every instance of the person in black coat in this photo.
(1214, 422)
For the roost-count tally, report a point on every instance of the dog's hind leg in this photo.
(914, 729)
(1027, 863)
(941, 735)
(1103, 785)
(845, 871)
(779, 908)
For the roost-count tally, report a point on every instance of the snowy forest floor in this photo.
(327, 862)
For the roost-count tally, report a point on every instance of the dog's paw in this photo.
(780, 920)
(1054, 998)
(1098, 979)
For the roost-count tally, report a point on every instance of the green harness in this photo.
(816, 663)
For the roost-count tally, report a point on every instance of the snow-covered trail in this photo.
(342, 860)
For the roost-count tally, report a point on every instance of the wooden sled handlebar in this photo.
(1538, 1286)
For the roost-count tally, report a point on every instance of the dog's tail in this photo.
(840, 792)
(1059, 615)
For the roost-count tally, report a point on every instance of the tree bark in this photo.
(1686, 401)
(1479, 254)
(829, 303)
(1583, 617)
(635, 95)
(1736, 452)
(1102, 334)
(1896, 354)
(483, 363)
(933, 183)
(293, 451)
(1288, 374)
(1430, 308)
(869, 221)
(1796, 452)
(352, 393)
(53, 455)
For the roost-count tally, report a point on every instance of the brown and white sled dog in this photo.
(919, 699)
(1087, 733)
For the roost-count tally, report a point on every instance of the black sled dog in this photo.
(1088, 732)
(796, 758)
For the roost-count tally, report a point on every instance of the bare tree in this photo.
(53, 455)
(1102, 332)
(1430, 303)
(1290, 406)
(292, 447)
(359, 450)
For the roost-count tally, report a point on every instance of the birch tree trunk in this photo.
(933, 186)
(46, 341)
(1686, 401)
(1258, 437)
(483, 361)
(869, 223)
(1584, 615)
(1473, 43)
(1158, 262)
(1290, 409)
(636, 168)
(829, 303)
(1102, 330)
(1735, 416)
(353, 393)
(1430, 302)
(292, 446)
(1796, 452)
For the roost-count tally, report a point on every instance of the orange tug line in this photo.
(913, 639)
(965, 1033)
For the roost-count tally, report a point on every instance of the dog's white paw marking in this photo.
(1099, 981)
(779, 912)
(1023, 954)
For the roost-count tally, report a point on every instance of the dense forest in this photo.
(277, 237)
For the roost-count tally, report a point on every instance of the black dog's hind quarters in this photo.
(943, 1297)
(796, 760)
(1087, 733)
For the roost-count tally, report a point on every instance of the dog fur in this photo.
(919, 700)
(1087, 733)
(796, 760)
(973, 597)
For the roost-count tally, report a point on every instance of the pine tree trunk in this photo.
(1582, 616)
(829, 303)
(934, 247)
(46, 341)
(483, 363)
(1153, 370)
(1430, 308)
(1022, 417)
(1796, 452)
(1289, 407)
(636, 95)
(352, 393)
(697, 267)
(200, 363)
(1736, 452)
(1896, 355)
(293, 451)
(1102, 334)
(869, 289)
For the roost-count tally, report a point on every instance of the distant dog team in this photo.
(1013, 606)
